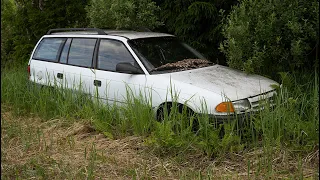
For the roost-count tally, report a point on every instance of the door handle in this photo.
(97, 83)
(59, 75)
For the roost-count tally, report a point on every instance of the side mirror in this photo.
(126, 67)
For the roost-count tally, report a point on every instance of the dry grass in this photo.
(64, 149)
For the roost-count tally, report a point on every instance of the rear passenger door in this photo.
(77, 59)
(110, 85)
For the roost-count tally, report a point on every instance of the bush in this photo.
(267, 37)
(198, 23)
(24, 22)
(7, 7)
(124, 14)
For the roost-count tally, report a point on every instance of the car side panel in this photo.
(45, 73)
(167, 90)
(116, 86)
(77, 78)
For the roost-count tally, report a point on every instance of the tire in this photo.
(180, 109)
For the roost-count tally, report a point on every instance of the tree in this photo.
(29, 20)
(123, 14)
(197, 22)
(267, 37)
(7, 7)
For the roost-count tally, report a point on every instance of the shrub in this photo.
(123, 14)
(24, 22)
(267, 37)
(198, 23)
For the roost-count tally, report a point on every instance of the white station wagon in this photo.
(107, 63)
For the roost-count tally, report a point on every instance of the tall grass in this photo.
(292, 122)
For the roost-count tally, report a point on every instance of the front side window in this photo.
(81, 52)
(112, 52)
(48, 49)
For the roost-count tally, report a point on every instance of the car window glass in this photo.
(81, 52)
(64, 54)
(48, 49)
(163, 50)
(111, 53)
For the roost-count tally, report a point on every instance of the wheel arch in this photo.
(170, 104)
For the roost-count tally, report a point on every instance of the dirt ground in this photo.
(63, 149)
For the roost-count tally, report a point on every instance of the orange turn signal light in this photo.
(225, 107)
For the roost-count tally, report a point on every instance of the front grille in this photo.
(261, 101)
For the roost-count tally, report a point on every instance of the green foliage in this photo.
(197, 22)
(24, 22)
(7, 8)
(123, 14)
(295, 117)
(267, 37)
(292, 122)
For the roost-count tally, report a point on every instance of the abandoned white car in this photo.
(108, 63)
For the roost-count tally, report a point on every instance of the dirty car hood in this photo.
(230, 83)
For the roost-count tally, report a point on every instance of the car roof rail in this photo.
(99, 31)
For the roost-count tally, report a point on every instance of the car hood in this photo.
(228, 82)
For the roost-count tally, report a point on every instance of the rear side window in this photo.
(111, 53)
(81, 52)
(48, 49)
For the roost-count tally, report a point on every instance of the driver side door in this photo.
(109, 85)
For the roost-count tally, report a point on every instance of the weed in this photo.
(292, 123)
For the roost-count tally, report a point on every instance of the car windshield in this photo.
(167, 54)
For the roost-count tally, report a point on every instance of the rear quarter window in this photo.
(48, 49)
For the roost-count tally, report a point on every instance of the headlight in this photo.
(235, 106)
(241, 105)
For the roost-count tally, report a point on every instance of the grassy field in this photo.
(57, 134)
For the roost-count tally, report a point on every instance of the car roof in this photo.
(122, 33)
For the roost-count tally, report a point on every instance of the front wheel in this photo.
(181, 117)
